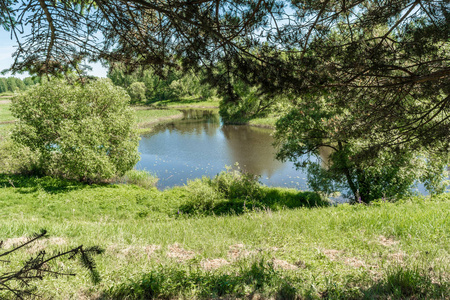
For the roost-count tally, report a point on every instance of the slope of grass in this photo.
(390, 250)
(5, 113)
(147, 118)
(188, 103)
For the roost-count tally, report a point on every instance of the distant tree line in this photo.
(12, 84)
(147, 86)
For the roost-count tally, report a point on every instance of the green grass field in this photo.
(188, 103)
(146, 118)
(390, 250)
(5, 113)
(178, 243)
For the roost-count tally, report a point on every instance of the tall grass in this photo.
(337, 252)
(140, 178)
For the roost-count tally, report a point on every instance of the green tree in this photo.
(354, 165)
(28, 81)
(19, 83)
(81, 132)
(11, 83)
(137, 92)
(3, 85)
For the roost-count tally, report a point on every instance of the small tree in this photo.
(137, 92)
(79, 132)
(356, 165)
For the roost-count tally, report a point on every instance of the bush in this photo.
(202, 196)
(235, 192)
(84, 133)
(15, 158)
(237, 184)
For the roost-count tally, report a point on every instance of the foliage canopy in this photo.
(389, 59)
(80, 132)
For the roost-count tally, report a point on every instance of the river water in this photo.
(200, 145)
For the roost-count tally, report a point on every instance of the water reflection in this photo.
(252, 148)
(200, 145)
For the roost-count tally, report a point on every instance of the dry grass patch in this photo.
(176, 251)
(354, 262)
(398, 256)
(282, 264)
(332, 254)
(122, 251)
(212, 264)
(387, 242)
(14, 242)
(150, 249)
(238, 251)
(336, 255)
(35, 246)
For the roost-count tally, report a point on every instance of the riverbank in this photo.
(153, 248)
(147, 118)
(227, 238)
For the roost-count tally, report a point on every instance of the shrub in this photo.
(80, 132)
(237, 184)
(15, 158)
(202, 196)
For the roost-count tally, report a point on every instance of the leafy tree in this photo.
(137, 92)
(3, 85)
(81, 132)
(11, 84)
(363, 172)
(28, 81)
(173, 84)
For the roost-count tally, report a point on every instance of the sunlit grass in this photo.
(145, 117)
(188, 102)
(347, 250)
(5, 113)
(140, 178)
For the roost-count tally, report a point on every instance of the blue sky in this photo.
(7, 47)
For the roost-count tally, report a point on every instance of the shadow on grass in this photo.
(261, 280)
(272, 199)
(407, 283)
(30, 184)
(252, 281)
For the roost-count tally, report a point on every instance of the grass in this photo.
(147, 118)
(5, 113)
(225, 238)
(268, 122)
(386, 250)
(140, 178)
(187, 102)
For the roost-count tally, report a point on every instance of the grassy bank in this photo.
(153, 248)
(226, 238)
(187, 103)
(5, 113)
(146, 118)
